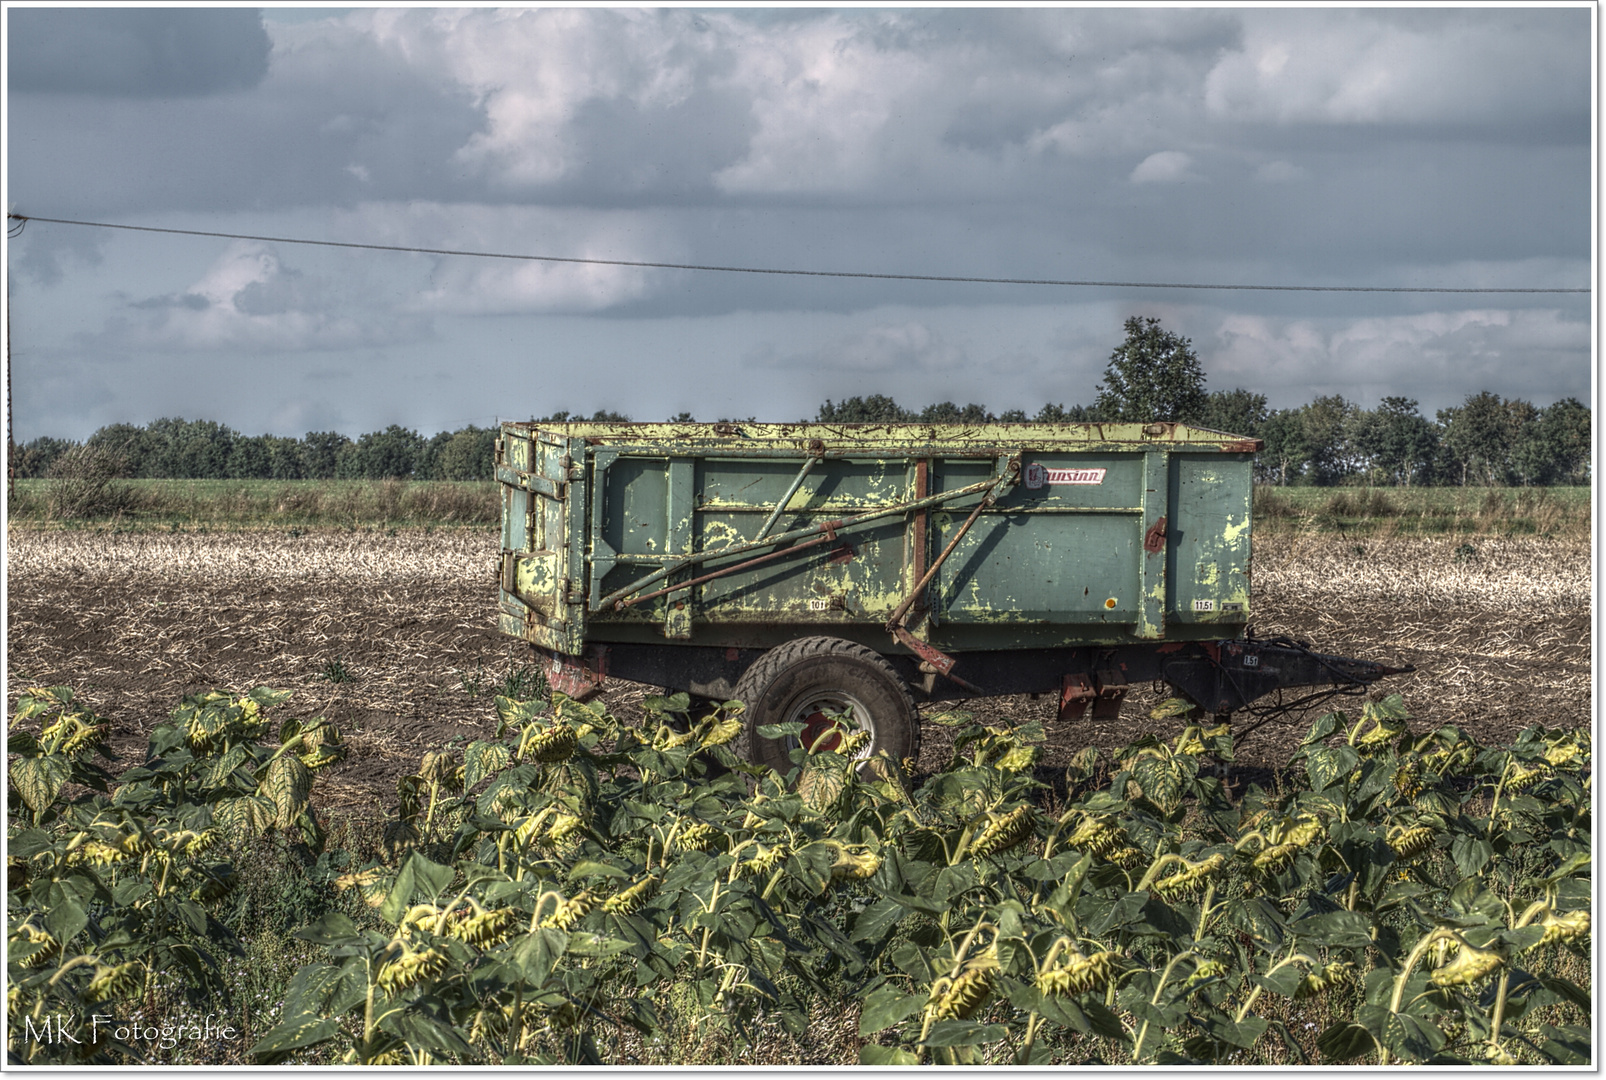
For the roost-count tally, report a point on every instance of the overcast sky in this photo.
(1313, 146)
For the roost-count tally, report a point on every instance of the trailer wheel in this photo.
(807, 680)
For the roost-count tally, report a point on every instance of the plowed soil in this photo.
(392, 636)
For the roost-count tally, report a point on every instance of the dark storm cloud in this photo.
(341, 119)
(136, 52)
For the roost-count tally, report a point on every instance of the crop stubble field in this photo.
(391, 635)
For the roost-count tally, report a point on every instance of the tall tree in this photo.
(1283, 460)
(1152, 375)
(428, 465)
(391, 454)
(134, 444)
(1237, 412)
(875, 409)
(1477, 436)
(285, 458)
(249, 458)
(35, 458)
(946, 412)
(1398, 442)
(1059, 414)
(470, 454)
(1566, 429)
(1528, 458)
(1329, 454)
(190, 449)
(320, 454)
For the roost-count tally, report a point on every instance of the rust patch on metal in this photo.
(579, 677)
(940, 661)
(927, 652)
(843, 554)
(1245, 446)
(1154, 539)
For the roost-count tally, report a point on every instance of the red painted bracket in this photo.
(939, 660)
(579, 677)
(1077, 692)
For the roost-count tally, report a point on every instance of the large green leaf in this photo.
(1568, 1044)
(267, 698)
(877, 919)
(423, 1026)
(1260, 919)
(535, 955)
(288, 783)
(1406, 1037)
(1471, 854)
(319, 988)
(482, 759)
(331, 928)
(586, 943)
(39, 779)
(962, 1033)
(293, 1033)
(1161, 779)
(886, 1055)
(1331, 765)
(885, 1006)
(65, 915)
(1338, 929)
(1344, 1042)
(1321, 729)
(237, 755)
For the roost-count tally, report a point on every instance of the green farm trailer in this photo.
(815, 570)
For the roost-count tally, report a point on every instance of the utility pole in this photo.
(11, 443)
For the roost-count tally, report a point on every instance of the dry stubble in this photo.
(135, 621)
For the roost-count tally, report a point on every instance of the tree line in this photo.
(172, 448)
(1153, 375)
(1485, 441)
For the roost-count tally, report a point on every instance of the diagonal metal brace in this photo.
(797, 482)
(829, 528)
(902, 610)
(941, 661)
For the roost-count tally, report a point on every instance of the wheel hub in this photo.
(826, 718)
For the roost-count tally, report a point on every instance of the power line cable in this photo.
(772, 270)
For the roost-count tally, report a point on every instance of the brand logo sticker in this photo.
(1036, 475)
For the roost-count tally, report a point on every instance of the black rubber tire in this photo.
(791, 676)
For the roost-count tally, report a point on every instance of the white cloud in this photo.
(831, 108)
(480, 286)
(1165, 167)
(1378, 66)
(1436, 356)
(249, 300)
(532, 72)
